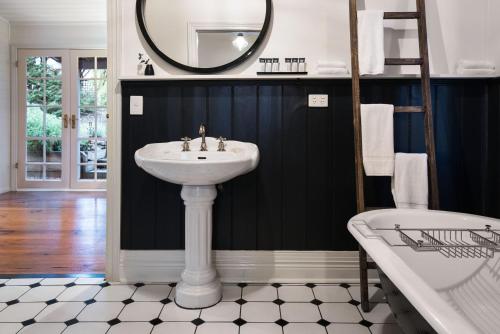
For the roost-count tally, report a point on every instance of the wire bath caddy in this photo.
(452, 243)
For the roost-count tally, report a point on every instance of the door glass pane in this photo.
(53, 122)
(87, 123)
(53, 150)
(87, 151)
(101, 172)
(102, 93)
(86, 67)
(102, 152)
(34, 172)
(102, 65)
(53, 93)
(53, 172)
(54, 67)
(102, 159)
(87, 172)
(87, 93)
(101, 123)
(34, 122)
(35, 67)
(34, 150)
(35, 92)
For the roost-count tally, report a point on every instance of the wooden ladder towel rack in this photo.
(426, 108)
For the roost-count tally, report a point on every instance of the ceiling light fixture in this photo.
(240, 42)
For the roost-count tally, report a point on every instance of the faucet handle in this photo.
(185, 144)
(222, 146)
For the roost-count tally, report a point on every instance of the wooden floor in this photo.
(52, 232)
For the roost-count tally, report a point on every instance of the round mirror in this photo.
(204, 36)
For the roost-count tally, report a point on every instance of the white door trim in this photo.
(248, 266)
(113, 211)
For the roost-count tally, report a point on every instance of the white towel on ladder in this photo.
(410, 187)
(371, 41)
(377, 135)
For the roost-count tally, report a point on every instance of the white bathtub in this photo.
(454, 295)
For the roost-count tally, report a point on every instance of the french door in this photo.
(62, 119)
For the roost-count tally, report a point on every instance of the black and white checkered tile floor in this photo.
(93, 306)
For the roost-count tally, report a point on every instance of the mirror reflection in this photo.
(204, 33)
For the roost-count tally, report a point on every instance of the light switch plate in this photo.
(136, 105)
(318, 100)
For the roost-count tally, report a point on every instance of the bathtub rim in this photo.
(440, 315)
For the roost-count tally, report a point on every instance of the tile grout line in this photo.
(279, 307)
(319, 310)
(360, 314)
(241, 307)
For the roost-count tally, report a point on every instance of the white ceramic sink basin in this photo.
(167, 162)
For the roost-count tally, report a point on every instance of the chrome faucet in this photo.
(222, 146)
(185, 144)
(203, 142)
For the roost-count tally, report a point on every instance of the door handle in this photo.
(73, 121)
(65, 121)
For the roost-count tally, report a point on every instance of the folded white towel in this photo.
(478, 71)
(371, 41)
(332, 71)
(330, 64)
(409, 183)
(476, 64)
(377, 134)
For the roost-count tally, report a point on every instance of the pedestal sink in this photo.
(198, 172)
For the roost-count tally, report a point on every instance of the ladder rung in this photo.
(408, 109)
(401, 15)
(403, 61)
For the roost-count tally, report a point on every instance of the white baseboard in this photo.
(247, 266)
(4, 190)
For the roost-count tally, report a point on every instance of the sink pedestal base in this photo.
(199, 286)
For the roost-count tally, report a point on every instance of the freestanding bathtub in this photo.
(455, 290)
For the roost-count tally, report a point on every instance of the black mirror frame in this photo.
(203, 70)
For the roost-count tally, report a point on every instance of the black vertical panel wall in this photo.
(302, 193)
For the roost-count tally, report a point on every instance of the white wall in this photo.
(319, 30)
(4, 106)
(492, 37)
(59, 35)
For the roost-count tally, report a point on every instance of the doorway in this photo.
(62, 119)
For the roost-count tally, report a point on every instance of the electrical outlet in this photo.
(318, 100)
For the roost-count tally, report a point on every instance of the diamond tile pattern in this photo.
(84, 305)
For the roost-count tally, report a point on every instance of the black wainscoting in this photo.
(302, 194)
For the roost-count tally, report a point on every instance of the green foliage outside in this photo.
(47, 93)
(34, 128)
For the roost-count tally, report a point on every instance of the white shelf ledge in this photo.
(290, 77)
(229, 77)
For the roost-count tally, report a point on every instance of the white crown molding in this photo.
(247, 266)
